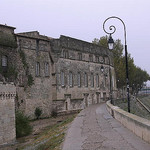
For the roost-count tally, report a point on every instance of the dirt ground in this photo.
(38, 127)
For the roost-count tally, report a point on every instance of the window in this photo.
(92, 80)
(91, 58)
(79, 56)
(85, 80)
(97, 80)
(4, 61)
(70, 79)
(62, 77)
(46, 68)
(105, 81)
(65, 54)
(79, 79)
(101, 59)
(37, 46)
(37, 71)
(96, 58)
(113, 82)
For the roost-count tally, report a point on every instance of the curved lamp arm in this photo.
(112, 28)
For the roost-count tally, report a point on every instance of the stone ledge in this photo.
(138, 125)
(67, 112)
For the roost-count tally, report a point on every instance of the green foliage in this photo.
(137, 76)
(11, 73)
(23, 127)
(22, 55)
(54, 113)
(102, 42)
(30, 80)
(7, 40)
(38, 112)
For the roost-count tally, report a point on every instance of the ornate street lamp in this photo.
(110, 45)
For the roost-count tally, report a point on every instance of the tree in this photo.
(137, 76)
(102, 42)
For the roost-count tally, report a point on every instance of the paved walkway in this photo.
(95, 129)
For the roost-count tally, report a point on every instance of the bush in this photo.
(30, 80)
(54, 113)
(23, 127)
(38, 112)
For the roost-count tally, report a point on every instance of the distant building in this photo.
(64, 74)
(144, 91)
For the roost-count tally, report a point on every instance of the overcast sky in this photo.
(83, 19)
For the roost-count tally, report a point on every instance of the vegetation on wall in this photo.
(7, 40)
(30, 80)
(137, 76)
(23, 58)
(10, 73)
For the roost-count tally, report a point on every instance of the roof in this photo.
(7, 26)
(34, 35)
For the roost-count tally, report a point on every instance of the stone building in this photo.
(82, 73)
(64, 74)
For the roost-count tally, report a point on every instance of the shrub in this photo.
(23, 57)
(23, 127)
(38, 112)
(54, 113)
(30, 80)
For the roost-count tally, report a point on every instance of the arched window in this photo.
(85, 79)
(97, 80)
(79, 56)
(46, 64)
(79, 79)
(62, 77)
(4, 61)
(37, 69)
(91, 58)
(65, 54)
(97, 59)
(92, 80)
(70, 79)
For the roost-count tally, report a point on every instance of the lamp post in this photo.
(111, 44)
(111, 98)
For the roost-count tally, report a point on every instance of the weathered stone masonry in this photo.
(74, 59)
(36, 49)
(62, 74)
(7, 113)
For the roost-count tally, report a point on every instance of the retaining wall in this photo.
(138, 125)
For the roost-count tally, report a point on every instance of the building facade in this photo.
(64, 74)
(82, 73)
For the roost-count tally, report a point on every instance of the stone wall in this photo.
(138, 125)
(7, 113)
